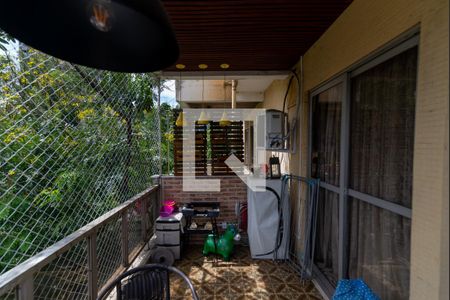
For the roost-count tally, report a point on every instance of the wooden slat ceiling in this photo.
(250, 35)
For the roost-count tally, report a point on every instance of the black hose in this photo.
(287, 92)
(289, 86)
(285, 97)
(280, 223)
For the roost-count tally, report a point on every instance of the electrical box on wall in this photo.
(273, 137)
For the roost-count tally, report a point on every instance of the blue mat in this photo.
(353, 289)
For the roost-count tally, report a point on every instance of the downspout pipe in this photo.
(233, 93)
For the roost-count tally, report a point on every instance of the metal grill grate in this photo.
(74, 143)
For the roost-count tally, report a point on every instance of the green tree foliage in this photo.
(74, 143)
(167, 138)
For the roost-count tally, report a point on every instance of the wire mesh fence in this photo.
(9, 295)
(135, 228)
(74, 143)
(109, 251)
(80, 265)
(153, 209)
(65, 277)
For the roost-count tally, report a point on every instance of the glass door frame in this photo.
(407, 41)
(342, 198)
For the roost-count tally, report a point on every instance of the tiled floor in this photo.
(240, 278)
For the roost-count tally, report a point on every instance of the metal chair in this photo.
(144, 283)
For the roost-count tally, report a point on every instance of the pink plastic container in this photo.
(166, 211)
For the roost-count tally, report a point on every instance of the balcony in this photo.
(87, 156)
(81, 264)
(81, 153)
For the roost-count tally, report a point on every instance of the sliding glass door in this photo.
(325, 159)
(362, 137)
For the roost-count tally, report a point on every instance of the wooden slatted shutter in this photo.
(199, 151)
(225, 141)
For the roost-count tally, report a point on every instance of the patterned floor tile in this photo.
(240, 278)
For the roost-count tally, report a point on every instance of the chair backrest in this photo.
(145, 282)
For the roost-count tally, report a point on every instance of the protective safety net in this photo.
(74, 143)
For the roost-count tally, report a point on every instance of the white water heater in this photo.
(273, 137)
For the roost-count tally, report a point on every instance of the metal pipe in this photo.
(299, 115)
(159, 127)
(233, 93)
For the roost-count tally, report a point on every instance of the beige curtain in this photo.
(381, 161)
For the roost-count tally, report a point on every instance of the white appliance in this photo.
(270, 129)
(268, 222)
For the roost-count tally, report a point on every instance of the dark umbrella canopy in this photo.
(125, 36)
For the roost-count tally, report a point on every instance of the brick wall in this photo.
(232, 190)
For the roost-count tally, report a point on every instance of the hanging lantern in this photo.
(181, 121)
(203, 118)
(126, 36)
(274, 166)
(224, 121)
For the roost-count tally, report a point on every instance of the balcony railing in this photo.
(78, 266)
